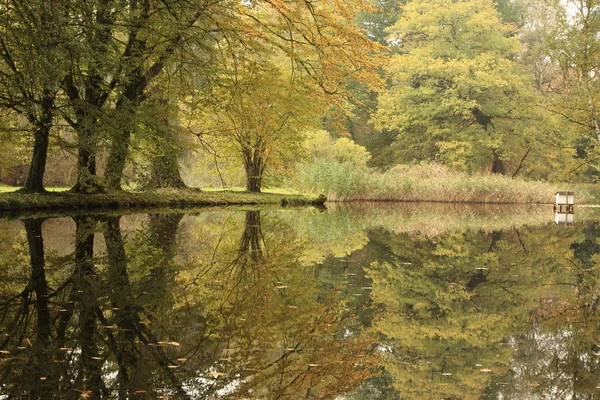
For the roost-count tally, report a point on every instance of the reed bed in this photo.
(344, 182)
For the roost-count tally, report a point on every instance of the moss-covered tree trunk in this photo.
(86, 124)
(115, 164)
(87, 179)
(164, 168)
(165, 172)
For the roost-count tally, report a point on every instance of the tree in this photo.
(571, 50)
(457, 95)
(124, 47)
(260, 114)
(278, 68)
(33, 48)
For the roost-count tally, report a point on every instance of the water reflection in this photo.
(349, 303)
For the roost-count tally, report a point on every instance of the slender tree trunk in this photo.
(521, 163)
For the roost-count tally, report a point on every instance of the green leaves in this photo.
(455, 88)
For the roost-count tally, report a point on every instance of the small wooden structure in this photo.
(564, 202)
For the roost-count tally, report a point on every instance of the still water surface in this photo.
(370, 302)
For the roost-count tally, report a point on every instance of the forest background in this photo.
(350, 99)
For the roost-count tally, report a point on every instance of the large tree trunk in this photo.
(254, 165)
(37, 167)
(87, 180)
(498, 166)
(115, 165)
(165, 172)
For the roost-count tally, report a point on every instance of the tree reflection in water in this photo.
(299, 304)
(128, 320)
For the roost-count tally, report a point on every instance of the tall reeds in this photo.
(431, 182)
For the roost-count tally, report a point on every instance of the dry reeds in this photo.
(431, 182)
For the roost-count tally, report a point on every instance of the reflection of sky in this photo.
(545, 350)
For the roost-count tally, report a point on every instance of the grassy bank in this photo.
(11, 201)
(435, 183)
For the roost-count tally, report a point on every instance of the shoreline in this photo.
(14, 203)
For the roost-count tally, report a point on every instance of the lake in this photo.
(371, 301)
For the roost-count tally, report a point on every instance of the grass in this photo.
(62, 200)
(432, 183)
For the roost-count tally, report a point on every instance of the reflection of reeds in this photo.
(429, 219)
(344, 182)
